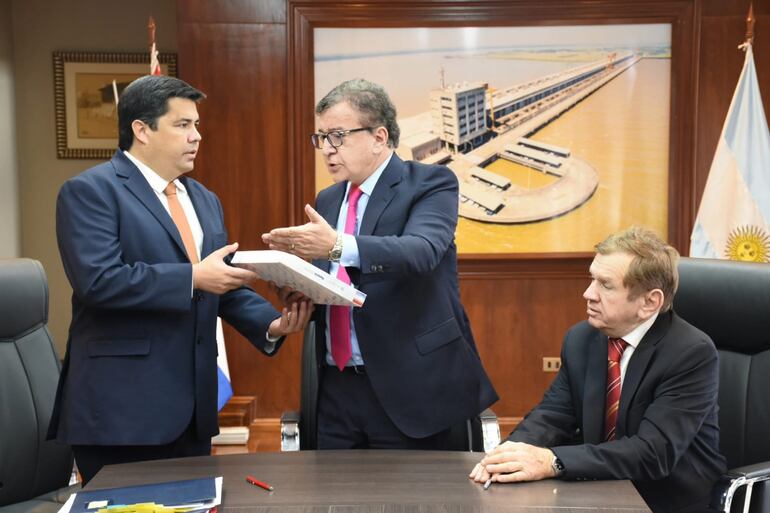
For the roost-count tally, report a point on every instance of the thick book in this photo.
(287, 270)
(190, 493)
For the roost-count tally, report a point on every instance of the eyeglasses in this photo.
(335, 138)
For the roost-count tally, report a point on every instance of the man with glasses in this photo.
(400, 371)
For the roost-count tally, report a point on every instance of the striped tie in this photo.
(615, 348)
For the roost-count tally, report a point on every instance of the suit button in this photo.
(373, 268)
(199, 340)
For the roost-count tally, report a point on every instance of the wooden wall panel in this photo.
(253, 59)
(241, 66)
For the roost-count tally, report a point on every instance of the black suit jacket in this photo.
(667, 432)
(141, 354)
(413, 332)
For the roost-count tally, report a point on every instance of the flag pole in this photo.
(750, 20)
(154, 63)
(151, 32)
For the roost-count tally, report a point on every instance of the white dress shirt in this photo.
(632, 339)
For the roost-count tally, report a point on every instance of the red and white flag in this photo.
(154, 63)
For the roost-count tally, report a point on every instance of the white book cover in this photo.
(287, 270)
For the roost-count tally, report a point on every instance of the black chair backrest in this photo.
(730, 301)
(308, 395)
(29, 373)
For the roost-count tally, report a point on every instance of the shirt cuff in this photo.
(271, 343)
(350, 256)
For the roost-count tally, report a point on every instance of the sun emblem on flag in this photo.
(748, 244)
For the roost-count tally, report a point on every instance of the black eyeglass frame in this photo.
(317, 139)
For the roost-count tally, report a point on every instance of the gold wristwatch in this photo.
(336, 252)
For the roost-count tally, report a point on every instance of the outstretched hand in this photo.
(311, 240)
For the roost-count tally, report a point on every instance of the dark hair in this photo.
(370, 100)
(654, 264)
(146, 99)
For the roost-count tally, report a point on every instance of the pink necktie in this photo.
(615, 348)
(339, 316)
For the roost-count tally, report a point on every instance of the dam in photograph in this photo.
(477, 130)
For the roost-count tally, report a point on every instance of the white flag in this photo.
(732, 221)
(225, 389)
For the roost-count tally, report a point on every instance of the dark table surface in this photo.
(373, 481)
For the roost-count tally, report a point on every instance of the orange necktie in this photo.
(180, 220)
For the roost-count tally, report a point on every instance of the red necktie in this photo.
(615, 348)
(339, 316)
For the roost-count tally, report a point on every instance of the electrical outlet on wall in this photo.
(551, 363)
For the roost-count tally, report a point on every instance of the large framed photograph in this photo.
(557, 135)
(86, 85)
(563, 123)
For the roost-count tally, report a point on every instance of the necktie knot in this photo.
(615, 348)
(170, 189)
(354, 194)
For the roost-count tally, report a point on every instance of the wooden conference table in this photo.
(373, 481)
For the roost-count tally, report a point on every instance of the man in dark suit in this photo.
(143, 248)
(398, 372)
(636, 395)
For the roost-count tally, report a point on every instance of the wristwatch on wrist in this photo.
(557, 466)
(336, 252)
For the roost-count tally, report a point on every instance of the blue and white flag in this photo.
(733, 218)
(225, 389)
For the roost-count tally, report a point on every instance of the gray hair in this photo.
(370, 100)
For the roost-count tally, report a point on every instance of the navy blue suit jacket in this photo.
(141, 353)
(413, 332)
(667, 438)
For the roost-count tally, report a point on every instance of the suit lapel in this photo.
(138, 186)
(382, 194)
(638, 364)
(206, 221)
(595, 391)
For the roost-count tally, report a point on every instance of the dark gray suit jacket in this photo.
(667, 432)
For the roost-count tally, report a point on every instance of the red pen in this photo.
(257, 482)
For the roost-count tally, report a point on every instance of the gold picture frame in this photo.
(86, 118)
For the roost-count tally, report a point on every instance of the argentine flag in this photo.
(225, 389)
(733, 218)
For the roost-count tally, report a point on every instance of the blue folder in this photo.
(171, 493)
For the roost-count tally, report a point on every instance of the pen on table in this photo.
(257, 482)
(488, 483)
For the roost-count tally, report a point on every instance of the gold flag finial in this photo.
(151, 30)
(750, 20)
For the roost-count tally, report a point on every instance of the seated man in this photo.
(636, 395)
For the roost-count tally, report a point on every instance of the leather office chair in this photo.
(32, 470)
(730, 301)
(299, 429)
